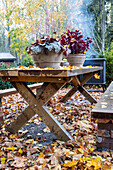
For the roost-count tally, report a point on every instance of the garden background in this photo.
(21, 23)
(24, 21)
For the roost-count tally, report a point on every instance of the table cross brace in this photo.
(78, 85)
(36, 107)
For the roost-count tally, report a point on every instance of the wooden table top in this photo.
(48, 72)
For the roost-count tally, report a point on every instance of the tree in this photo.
(101, 9)
(25, 22)
(3, 39)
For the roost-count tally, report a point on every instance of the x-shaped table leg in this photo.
(78, 85)
(36, 103)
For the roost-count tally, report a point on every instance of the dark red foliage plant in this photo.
(74, 43)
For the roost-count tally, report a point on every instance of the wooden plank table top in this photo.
(49, 72)
(53, 80)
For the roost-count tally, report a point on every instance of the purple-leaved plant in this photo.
(74, 43)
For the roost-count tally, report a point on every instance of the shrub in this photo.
(25, 62)
(109, 64)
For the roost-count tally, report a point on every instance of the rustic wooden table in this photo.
(53, 80)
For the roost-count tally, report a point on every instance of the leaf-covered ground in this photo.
(34, 147)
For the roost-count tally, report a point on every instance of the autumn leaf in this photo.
(20, 151)
(70, 164)
(95, 162)
(12, 136)
(80, 150)
(3, 160)
(11, 148)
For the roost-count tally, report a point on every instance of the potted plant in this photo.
(46, 52)
(75, 47)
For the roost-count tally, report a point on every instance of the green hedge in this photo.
(109, 65)
(27, 61)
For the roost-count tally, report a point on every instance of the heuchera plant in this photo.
(74, 43)
(44, 44)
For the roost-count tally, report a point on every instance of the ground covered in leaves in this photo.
(34, 147)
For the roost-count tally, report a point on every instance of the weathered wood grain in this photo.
(10, 91)
(78, 86)
(35, 106)
(107, 126)
(36, 79)
(49, 72)
(104, 108)
(87, 94)
(75, 82)
(54, 79)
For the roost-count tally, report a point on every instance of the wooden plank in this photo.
(69, 94)
(83, 70)
(104, 140)
(36, 79)
(101, 115)
(103, 133)
(103, 120)
(87, 95)
(86, 77)
(46, 116)
(104, 108)
(104, 145)
(1, 116)
(21, 120)
(75, 82)
(7, 92)
(49, 72)
(107, 126)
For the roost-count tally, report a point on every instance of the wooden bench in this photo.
(103, 112)
(11, 91)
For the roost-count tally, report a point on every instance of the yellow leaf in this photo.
(89, 66)
(3, 160)
(11, 148)
(71, 144)
(20, 139)
(95, 162)
(80, 150)
(70, 164)
(66, 45)
(12, 136)
(39, 119)
(73, 40)
(20, 151)
(90, 105)
(50, 109)
(41, 154)
(91, 149)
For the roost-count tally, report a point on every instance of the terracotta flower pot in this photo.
(76, 59)
(51, 59)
